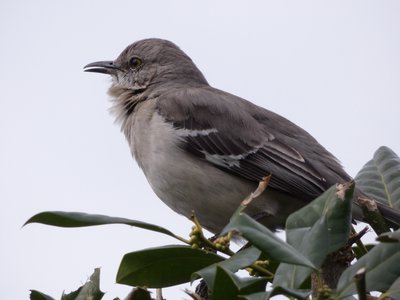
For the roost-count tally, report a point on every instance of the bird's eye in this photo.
(135, 62)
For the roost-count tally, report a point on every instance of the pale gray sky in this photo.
(331, 67)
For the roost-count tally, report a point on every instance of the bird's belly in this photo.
(214, 198)
(212, 195)
(189, 185)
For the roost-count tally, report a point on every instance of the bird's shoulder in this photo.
(207, 108)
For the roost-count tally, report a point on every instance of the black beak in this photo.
(106, 67)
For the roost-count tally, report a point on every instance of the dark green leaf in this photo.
(224, 285)
(290, 276)
(72, 295)
(36, 295)
(390, 237)
(238, 261)
(255, 296)
(90, 290)
(265, 240)
(227, 285)
(316, 230)
(296, 293)
(77, 219)
(163, 266)
(324, 208)
(250, 285)
(359, 252)
(394, 290)
(382, 270)
(380, 177)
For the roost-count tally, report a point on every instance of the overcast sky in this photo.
(331, 67)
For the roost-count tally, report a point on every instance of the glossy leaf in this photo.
(78, 219)
(382, 270)
(390, 237)
(90, 290)
(290, 293)
(163, 266)
(36, 295)
(316, 230)
(238, 261)
(255, 296)
(394, 290)
(380, 177)
(230, 286)
(224, 287)
(265, 240)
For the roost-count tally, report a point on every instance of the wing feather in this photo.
(249, 141)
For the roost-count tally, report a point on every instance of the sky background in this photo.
(331, 67)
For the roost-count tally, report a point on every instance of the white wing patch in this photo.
(224, 160)
(228, 160)
(183, 132)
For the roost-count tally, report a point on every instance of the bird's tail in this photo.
(391, 215)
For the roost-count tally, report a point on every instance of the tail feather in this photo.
(391, 215)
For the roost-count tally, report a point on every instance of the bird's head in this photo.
(148, 64)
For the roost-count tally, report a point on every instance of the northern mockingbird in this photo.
(205, 150)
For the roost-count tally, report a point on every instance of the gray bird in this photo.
(204, 150)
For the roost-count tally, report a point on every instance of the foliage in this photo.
(90, 290)
(313, 233)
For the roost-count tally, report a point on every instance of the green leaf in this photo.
(382, 270)
(265, 240)
(250, 285)
(390, 237)
(380, 177)
(163, 266)
(90, 290)
(238, 261)
(360, 252)
(255, 296)
(36, 295)
(78, 219)
(323, 207)
(394, 290)
(290, 293)
(224, 287)
(229, 286)
(316, 230)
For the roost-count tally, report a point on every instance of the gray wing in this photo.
(249, 141)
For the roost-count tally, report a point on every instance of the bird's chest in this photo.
(155, 146)
(181, 181)
(152, 141)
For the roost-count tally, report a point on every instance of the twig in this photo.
(193, 295)
(356, 238)
(262, 185)
(372, 215)
(360, 284)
